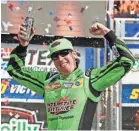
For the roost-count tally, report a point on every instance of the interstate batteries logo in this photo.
(61, 106)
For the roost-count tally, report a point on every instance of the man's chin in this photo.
(66, 72)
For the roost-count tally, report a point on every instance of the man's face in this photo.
(65, 61)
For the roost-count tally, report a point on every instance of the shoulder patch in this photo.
(87, 72)
(115, 51)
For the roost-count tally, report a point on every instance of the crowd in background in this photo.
(126, 8)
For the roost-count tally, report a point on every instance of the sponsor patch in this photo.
(56, 85)
(68, 85)
(61, 106)
(115, 51)
(53, 86)
(47, 87)
(78, 83)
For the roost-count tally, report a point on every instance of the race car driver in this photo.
(70, 96)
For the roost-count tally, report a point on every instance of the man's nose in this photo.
(60, 57)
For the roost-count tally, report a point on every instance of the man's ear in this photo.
(74, 54)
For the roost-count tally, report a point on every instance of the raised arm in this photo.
(17, 70)
(103, 77)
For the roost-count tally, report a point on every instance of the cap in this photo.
(59, 44)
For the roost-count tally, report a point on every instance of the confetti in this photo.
(37, 111)
(58, 26)
(82, 10)
(86, 7)
(44, 45)
(99, 124)
(56, 19)
(103, 117)
(11, 7)
(96, 114)
(17, 8)
(111, 16)
(93, 22)
(29, 9)
(117, 104)
(69, 15)
(51, 13)
(21, 2)
(17, 116)
(70, 27)
(39, 9)
(22, 18)
(97, 19)
(49, 25)
(68, 22)
(47, 30)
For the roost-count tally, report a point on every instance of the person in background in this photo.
(70, 95)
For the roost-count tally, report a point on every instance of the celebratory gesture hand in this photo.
(98, 29)
(21, 35)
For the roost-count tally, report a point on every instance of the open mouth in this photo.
(63, 64)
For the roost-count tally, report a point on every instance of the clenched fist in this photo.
(98, 29)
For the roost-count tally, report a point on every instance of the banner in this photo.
(36, 59)
(23, 117)
(132, 28)
(130, 93)
(61, 18)
(133, 76)
(15, 92)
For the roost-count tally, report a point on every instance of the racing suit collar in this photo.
(75, 74)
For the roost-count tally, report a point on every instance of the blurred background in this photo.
(119, 106)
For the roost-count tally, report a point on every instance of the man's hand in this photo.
(98, 29)
(21, 35)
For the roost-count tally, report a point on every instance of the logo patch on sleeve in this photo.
(115, 51)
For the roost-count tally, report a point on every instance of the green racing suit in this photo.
(71, 102)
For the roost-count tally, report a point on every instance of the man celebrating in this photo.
(70, 96)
